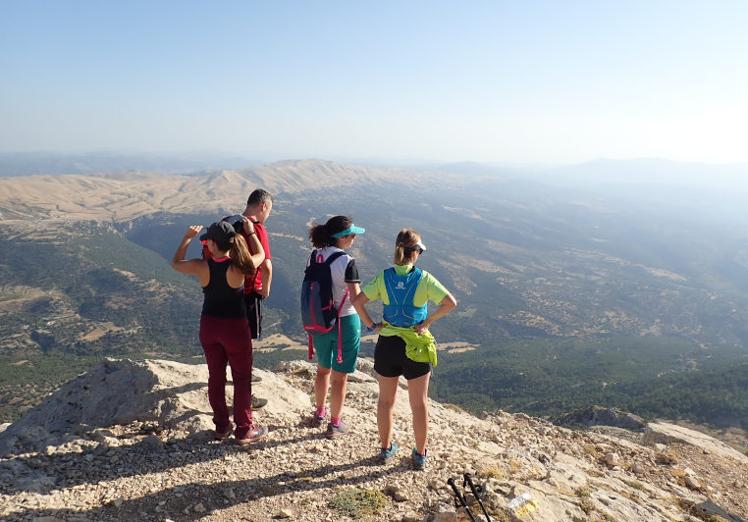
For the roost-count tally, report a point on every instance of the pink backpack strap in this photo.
(340, 329)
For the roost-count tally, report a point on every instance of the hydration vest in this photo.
(401, 289)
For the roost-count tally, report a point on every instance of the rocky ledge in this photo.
(132, 441)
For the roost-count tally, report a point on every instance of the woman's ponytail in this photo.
(399, 254)
(407, 240)
(320, 236)
(240, 257)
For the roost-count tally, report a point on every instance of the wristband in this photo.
(372, 327)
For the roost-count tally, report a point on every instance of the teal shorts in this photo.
(326, 345)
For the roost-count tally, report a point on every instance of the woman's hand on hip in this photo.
(420, 328)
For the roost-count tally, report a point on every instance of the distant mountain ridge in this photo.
(570, 295)
(125, 196)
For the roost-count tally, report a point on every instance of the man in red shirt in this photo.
(257, 288)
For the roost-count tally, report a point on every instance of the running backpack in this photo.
(319, 312)
(401, 289)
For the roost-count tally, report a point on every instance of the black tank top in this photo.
(220, 299)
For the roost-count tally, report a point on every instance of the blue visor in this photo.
(353, 229)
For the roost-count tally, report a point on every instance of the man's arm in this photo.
(266, 271)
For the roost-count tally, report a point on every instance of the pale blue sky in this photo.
(550, 82)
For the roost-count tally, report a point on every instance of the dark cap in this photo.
(222, 233)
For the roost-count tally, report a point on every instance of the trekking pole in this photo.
(476, 493)
(461, 499)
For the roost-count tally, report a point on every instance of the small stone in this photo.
(692, 483)
(117, 502)
(397, 494)
(199, 508)
(612, 459)
(151, 443)
(446, 516)
(284, 513)
(411, 516)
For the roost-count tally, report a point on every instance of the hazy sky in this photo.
(522, 81)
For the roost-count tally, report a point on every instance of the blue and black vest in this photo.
(401, 289)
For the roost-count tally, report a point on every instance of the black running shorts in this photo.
(254, 314)
(390, 359)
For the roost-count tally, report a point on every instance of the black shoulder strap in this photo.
(333, 257)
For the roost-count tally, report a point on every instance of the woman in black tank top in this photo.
(224, 332)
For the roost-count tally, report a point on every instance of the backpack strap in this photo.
(312, 261)
(330, 260)
(340, 331)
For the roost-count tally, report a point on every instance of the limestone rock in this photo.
(169, 394)
(612, 459)
(599, 416)
(661, 432)
(127, 471)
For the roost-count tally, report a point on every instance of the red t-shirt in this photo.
(254, 284)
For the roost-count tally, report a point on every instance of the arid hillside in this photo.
(123, 197)
(131, 441)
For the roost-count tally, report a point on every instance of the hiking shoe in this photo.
(256, 378)
(419, 461)
(385, 454)
(335, 431)
(258, 403)
(225, 434)
(253, 435)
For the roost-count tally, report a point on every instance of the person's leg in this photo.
(237, 340)
(253, 314)
(321, 385)
(323, 348)
(215, 357)
(253, 318)
(385, 406)
(388, 369)
(350, 331)
(418, 390)
(339, 380)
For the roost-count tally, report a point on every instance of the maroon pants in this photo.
(227, 340)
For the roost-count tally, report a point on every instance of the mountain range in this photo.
(625, 292)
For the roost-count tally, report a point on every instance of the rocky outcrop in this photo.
(138, 449)
(167, 394)
(599, 416)
(664, 433)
